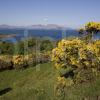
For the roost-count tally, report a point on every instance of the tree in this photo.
(90, 29)
(46, 45)
(6, 47)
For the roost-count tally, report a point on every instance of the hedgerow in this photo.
(23, 61)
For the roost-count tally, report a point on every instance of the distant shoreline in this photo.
(7, 35)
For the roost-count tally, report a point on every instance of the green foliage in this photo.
(25, 53)
(6, 48)
(84, 75)
(20, 48)
(32, 84)
(28, 84)
(23, 61)
(31, 42)
(46, 45)
(74, 57)
(25, 46)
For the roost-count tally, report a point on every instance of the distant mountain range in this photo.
(39, 26)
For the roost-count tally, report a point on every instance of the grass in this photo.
(29, 83)
(86, 90)
(37, 83)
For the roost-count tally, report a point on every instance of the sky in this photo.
(70, 13)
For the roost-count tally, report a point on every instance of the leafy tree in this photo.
(31, 42)
(46, 45)
(6, 47)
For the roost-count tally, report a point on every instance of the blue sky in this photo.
(71, 13)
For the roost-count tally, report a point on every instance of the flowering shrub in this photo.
(89, 30)
(72, 56)
(19, 62)
(5, 62)
(92, 27)
(44, 57)
(5, 65)
(30, 59)
(23, 61)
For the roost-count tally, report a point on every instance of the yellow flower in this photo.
(86, 63)
(61, 80)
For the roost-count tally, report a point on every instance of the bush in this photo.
(84, 75)
(23, 61)
(46, 45)
(73, 56)
(44, 57)
(6, 62)
(19, 62)
(30, 59)
(6, 48)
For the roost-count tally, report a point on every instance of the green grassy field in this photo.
(38, 83)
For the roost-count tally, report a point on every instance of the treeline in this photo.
(26, 46)
(25, 53)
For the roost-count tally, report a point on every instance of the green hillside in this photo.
(38, 84)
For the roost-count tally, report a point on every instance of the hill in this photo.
(38, 26)
(38, 83)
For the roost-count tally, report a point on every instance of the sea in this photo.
(54, 34)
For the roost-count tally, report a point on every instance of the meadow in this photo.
(67, 69)
(38, 84)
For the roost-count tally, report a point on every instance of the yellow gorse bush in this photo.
(5, 62)
(23, 61)
(89, 30)
(93, 26)
(72, 55)
(19, 61)
(66, 52)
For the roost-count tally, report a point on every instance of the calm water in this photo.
(52, 34)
